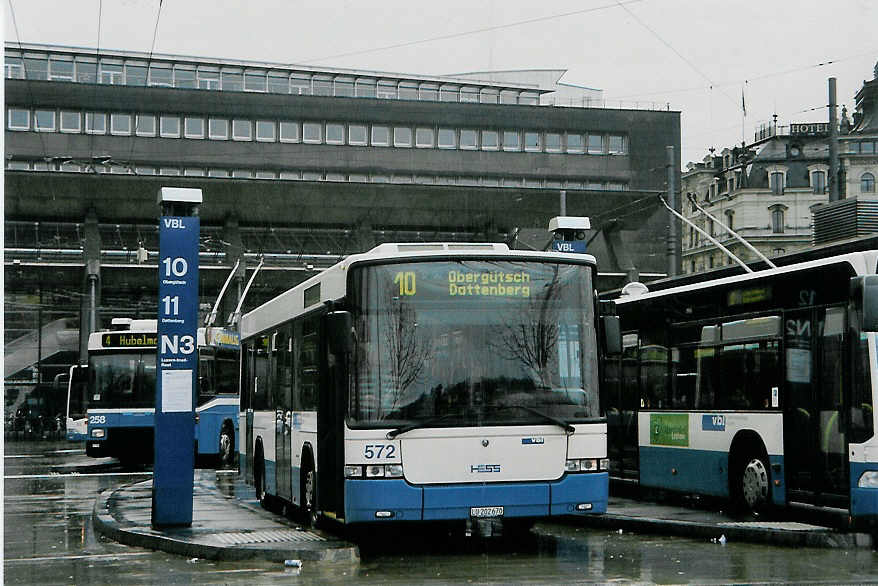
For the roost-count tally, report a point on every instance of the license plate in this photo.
(485, 512)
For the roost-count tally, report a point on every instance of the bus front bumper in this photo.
(369, 501)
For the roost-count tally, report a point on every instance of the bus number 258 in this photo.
(375, 451)
(96, 419)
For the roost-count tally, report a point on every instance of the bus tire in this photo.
(753, 483)
(227, 447)
(309, 494)
(259, 478)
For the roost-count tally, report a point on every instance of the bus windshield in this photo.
(122, 379)
(473, 342)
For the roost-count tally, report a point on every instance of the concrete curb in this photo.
(825, 538)
(186, 542)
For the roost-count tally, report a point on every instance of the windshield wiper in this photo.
(568, 429)
(419, 424)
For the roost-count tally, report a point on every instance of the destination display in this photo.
(475, 280)
(129, 340)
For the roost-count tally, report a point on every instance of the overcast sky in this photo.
(698, 56)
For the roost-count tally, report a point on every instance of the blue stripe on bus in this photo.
(209, 424)
(864, 501)
(698, 471)
(443, 502)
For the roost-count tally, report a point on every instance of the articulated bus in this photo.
(121, 392)
(757, 388)
(429, 382)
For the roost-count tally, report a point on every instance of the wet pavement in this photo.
(50, 539)
(225, 526)
(645, 516)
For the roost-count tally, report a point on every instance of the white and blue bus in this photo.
(429, 382)
(121, 392)
(757, 388)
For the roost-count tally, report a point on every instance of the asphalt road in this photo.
(48, 539)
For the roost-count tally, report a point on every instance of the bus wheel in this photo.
(754, 485)
(227, 447)
(259, 480)
(309, 495)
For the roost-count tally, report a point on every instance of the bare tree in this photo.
(530, 336)
(407, 352)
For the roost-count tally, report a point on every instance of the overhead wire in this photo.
(29, 90)
(466, 33)
(736, 82)
(96, 81)
(155, 31)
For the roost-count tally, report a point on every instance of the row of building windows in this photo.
(134, 72)
(777, 214)
(336, 133)
(316, 175)
(863, 147)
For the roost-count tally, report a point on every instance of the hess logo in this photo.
(484, 468)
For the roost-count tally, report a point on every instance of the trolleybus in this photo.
(121, 392)
(429, 382)
(758, 388)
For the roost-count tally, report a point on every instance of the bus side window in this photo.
(308, 364)
(246, 381)
(261, 382)
(205, 373)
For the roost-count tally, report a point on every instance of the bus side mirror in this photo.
(59, 383)
(864, 292)
(612, 334)
(338, 331)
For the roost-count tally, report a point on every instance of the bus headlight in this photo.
(868, 479)
(373, 471)
(586, 465)
(98, 432)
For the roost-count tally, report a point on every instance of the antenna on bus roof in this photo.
(706, 235)
(749, 246)
(211, 317)
(236, 315)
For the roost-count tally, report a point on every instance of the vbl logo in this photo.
(174, 223)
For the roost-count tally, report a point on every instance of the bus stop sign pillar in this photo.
(177, 359)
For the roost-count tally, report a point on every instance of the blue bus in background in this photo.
(121, 393)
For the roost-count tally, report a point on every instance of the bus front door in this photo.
(814, 443)
(284, 413)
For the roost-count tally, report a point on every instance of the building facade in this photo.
(764, 191)
(298, 166)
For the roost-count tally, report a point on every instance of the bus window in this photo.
(226, 372)
(653, 375)
(260, 398)
(750, 371)
(205, 375)
(246, 382)
(705, 378)
(308, 376)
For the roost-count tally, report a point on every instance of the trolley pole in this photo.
(177, 359)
